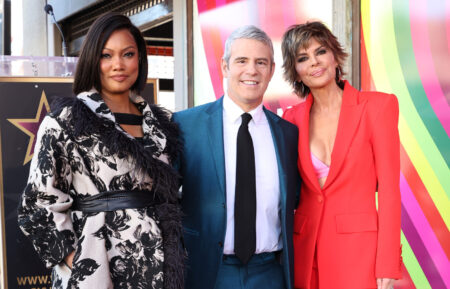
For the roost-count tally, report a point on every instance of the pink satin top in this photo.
(320, 168)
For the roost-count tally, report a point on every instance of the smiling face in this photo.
(316, 65)
(119, 64)
(248, 72)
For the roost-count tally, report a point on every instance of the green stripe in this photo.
(412, 265)
(413, 82)
(397, 82)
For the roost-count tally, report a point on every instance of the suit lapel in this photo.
(279, 139)
(349, 119)
(304, 149)
(215, 138)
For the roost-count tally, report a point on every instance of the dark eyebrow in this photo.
(128, 47)
(317, 49)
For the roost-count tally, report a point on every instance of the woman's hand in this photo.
(385, 283)
(69, 259)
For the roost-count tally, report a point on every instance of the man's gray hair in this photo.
(247, 32)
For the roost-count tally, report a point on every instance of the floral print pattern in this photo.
(117, 249)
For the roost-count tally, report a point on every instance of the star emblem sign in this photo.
(30, 126)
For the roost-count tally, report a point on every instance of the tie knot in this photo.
(246, 118)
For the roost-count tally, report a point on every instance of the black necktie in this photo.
(245, 194)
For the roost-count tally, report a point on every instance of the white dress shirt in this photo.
(268, 225)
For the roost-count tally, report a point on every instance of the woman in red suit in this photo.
(348, 150)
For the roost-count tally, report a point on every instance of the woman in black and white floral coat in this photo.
(101, 206)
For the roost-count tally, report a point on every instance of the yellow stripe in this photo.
(394, 73)
(418, 159)
(412, 140)
(365, 19)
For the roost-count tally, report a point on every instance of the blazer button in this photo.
(220, 244)
(320, 199)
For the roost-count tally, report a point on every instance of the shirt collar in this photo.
(234, 112)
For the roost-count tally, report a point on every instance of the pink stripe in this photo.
(424, 230)
(214, 70)
(424, 60)
(201, 6)
(225, 32)
(288, 13)
(215, 29)
(220, 3)
(447, 22)
(270, 15)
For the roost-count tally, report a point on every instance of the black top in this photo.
(128, 118)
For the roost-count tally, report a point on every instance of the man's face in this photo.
(248, 73)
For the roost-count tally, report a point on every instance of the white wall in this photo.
(28, 28)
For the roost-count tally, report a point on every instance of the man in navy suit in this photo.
(228, 247)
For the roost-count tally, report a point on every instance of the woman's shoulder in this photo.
(377, 99)
(73, 115)
(62, 106)
(292, 113)
(380, 104)
(160, 113)
(164, 118)
(170, 130)
(373, 99)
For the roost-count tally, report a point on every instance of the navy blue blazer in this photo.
(202, 167)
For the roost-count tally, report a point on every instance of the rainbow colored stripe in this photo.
(214, 20)
(405, 51)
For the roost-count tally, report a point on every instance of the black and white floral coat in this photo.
(81, 151)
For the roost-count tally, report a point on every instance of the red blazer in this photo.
(355, 243)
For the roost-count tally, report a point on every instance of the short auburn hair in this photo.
(299, 36)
